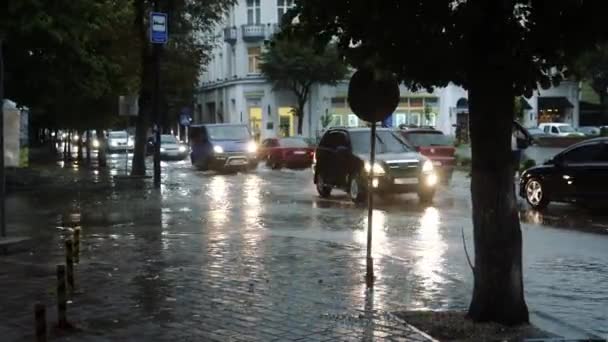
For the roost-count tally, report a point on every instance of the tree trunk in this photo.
(142, 122)
(301, 105)
(498, 293)
(88, 134)
(69, 142)
(101, 150)
(79, 145)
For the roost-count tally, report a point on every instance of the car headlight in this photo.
(162, 149)
(428, 166)
(252, 147)
(76, 137)
(182, 149)
(130, 142)
(218, 149)
(378, 169)
(113, 143)
(95, 143)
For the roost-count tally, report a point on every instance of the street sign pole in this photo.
(2, 176)
(369, 275)
(156, 114)
(158, 37)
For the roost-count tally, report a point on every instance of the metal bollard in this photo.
(61, 298)
(69, 263)
(77, 245)
(40, 315)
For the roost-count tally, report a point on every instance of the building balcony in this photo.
(230, 35)
(253, 33)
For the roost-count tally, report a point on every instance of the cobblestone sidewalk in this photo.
(150, 285)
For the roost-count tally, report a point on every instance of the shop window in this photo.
(253, 55)
(400, 119)
(353, 120)
(414, 119)
(337, 120)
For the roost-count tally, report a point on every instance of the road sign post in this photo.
(159, 35)
(372, 95)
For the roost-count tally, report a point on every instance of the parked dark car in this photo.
(342, 162)
(286, 152)
(435, 145)
(577, 174)
(222, 147)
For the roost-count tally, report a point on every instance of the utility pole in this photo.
(2, 176)
(158, 37)
(156, 111)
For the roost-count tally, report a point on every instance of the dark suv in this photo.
(342, 161)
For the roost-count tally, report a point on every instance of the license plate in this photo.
(404, 181)
(437, 163)
(299, 152)
(237, 162)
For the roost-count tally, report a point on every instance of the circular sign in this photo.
(373, 96)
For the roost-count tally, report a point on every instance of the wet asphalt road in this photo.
(565, 254)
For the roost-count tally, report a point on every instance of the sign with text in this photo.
(159, 32)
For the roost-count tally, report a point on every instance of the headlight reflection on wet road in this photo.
(429, 249)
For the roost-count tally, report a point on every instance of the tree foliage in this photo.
(592, 66)
(295, 62)
(496, 50)
(62, 56)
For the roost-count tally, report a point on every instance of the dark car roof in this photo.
(422, 130)
(586, 142)
(217, 125)
(359, 129)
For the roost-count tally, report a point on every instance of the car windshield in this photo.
(293, 142)
(386, 142)
(566, 129)
(428, 139)
(118, 135)
(228, 132)
(168, 139)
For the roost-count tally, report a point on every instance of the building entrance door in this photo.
(286, 122)
(255, 122)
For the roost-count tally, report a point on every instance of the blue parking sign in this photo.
(159, 32)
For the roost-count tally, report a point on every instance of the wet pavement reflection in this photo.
(228, 220)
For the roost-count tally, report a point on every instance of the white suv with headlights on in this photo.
(119, 141)
(342, 162)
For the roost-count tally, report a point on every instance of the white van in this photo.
(559, 129)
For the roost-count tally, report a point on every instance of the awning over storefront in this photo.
(554, 102)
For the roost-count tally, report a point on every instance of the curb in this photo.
(14, 245)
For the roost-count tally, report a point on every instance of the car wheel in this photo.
(323, 189)
(426, 196)
(275, 164)
(535, 194)
(357, 189)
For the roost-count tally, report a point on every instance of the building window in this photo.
(253, 54)
(282, 7)
(253, 12)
